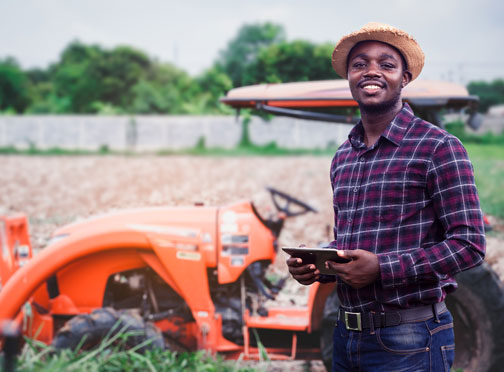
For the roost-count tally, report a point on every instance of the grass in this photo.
(488, 162)
(33, 150)
(270, 149)
(38, 357)
(486, 152)
(113, 355)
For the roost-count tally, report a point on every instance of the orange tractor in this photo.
(197, 273)
(195, 277)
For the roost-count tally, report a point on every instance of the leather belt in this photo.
(357, 321)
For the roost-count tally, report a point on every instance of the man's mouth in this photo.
(371, 87)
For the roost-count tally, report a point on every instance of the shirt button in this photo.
(355, 189)
(361, 159)
(349, 219)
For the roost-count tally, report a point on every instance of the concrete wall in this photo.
(152, 133)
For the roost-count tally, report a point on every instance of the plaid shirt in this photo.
(411, 200)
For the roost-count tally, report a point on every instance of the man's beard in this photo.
(382, 107)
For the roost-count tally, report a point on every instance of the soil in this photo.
(53, 191)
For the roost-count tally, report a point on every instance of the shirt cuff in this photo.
(392, 273)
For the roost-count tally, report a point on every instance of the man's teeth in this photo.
(371, 87)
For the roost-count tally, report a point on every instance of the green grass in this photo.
(486, 152)
(38, 357)
(247, 150)
(33, 150)
(488, 162)
(270, 149)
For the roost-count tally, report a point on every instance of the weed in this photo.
(110, 357)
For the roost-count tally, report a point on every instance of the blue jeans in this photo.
(409, 347)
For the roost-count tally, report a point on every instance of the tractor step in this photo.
(296, 319)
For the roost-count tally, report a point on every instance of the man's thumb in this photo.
(347, 253)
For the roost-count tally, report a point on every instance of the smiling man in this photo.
(406, 212)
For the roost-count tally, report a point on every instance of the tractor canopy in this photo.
(332, 101)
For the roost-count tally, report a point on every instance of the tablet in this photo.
(317, 256)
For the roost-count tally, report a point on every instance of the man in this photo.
(406, 212)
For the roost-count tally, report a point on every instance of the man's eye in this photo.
(388, 65)
(359, 65)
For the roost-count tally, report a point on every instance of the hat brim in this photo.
(400, 40)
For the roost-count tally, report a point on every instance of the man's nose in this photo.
(373, 70)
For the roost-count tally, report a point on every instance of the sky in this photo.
(462, 40)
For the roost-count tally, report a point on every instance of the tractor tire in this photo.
(477, 307)
(329, 320)
(88, 331)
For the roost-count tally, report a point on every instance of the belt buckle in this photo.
(353, 321)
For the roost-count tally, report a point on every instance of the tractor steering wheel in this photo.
(288, 200)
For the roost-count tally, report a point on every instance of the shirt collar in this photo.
(394, 132)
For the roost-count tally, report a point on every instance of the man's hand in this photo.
(364, 268)
(304, 273)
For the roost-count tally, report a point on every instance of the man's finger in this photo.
(339, 268)
(348, 253)
(294, 261)
(304, 269)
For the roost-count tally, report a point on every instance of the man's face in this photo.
(376, 76)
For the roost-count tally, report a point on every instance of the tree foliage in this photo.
(489, 93)
(124, 80)
(13, 86)
(89, 74)
(244, 48)
(91, 79)
(298, 60)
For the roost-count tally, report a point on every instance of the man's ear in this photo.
(406, 78)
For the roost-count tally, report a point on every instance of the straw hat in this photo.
(375, 31)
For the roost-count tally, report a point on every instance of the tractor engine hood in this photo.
(177, 221)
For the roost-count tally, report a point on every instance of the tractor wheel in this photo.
(330, 317)
(89, 330)
(477, 307)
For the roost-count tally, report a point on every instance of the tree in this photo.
(298, 60)
(90, 76)
(164, 89)
(244, 48)
(13, 86)
(489, 93)
(121, 69)
(213, 84)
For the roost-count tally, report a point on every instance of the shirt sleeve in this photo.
(452, 191)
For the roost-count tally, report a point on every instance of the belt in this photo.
(357, 321)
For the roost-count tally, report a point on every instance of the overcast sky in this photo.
(463, 40)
